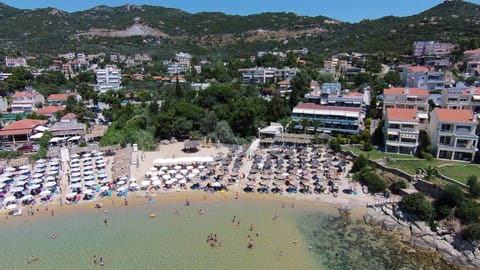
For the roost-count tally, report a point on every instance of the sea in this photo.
(285, 236)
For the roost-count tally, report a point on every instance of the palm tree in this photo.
(316, 124)
(430, 172)
(304, 122)
(285, 122)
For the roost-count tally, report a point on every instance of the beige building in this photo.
(401, 130)
(452, 134)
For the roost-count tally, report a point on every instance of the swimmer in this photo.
(102, 262)
(251, 227)
(251, 243)
(282, 253)
(201, 212)
(105, 221)
(94, 259)
(233, 220)
(238, 223)
(293, 205)
(177, 213)
(187, 202)
(283, 205)
(53, 235)
(310, 248)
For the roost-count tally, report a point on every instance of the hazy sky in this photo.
(345, 10)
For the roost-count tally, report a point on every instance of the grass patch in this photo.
(460, 171)
(375, 154)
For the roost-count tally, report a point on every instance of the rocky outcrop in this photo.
(417, 233)
(136, 29)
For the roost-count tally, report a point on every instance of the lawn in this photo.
(460, 171)
(375, 154)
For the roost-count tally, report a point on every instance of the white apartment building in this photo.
(108, 78)
(452, 134)
(401, 131)
(407, 98)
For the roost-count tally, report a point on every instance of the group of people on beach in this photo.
(101, 260)
(213, 241)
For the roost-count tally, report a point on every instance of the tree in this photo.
(305, 123)
(417, 205)
(359, 163)
(224, 133)
(473, 186)
(374, 183)
(335, 145)
(316, 124)
(451, 196)
(209, 123)
(469, 212)
(472, 232)
(430, 172)
(397, 186)
(392, 77)
(300, 86)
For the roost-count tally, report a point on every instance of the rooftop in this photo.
(21, 127)
(313, 106)
(453, 115)
(406, 91)
(49, 110)
(402, 114)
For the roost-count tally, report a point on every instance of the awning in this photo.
(392, 132)
(476, 97)
(56, 139)
(36, 136)
(423, 115)
(74, 138)
(41, 128)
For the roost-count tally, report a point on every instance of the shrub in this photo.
(397, 186)
(417, 205)
(451, 196)
(473, 186)
(426, 155)
(367, 146)
(472, 232)
(359, 163)
(469, 212)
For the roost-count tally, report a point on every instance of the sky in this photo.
(344, 10)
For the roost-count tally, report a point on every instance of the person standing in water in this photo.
(105, 221)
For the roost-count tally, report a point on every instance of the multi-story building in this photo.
(108, 78)
(452, 134)
(331, 119)
(461, 97)
(401, 131)
(423, 77)
(183, 57)
(178, 68)
(407, 98)
(263, 75)
(423, 48)
(472, 55)
(26, 101)
(15, 62)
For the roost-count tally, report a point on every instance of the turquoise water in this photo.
(132, 240)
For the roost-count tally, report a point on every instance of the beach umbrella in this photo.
(53, 163)
(101, 165)
(216, 184)
(2, 185)
(76, 185)
(24, 167)
(189, 167)
(10, 169)
(169, 182)
(132, 179)
(196, 171)
(164, 168)
(201, 167)
(89, 177)
(157, 183)
(145, 183)
(20, 183)
(104, 181)
(87, 191)
(38, 175)
(104, 188)
(17, 189)
(35, 186)
(45, 193)
(177, 167)
(75, 170)
(9, 199)
(182, 181)
(74, 156)
(50, 178)
(192, 175)
(37, 180)
(102, 175)
(166, 176)
(179, 176)
(121, 182)
(40, 161)
(154, 178)
(26, 197)
(50, 184)
(75, 166)
(5, 179)
(122, 189)
(184, 171)
(87, 168)
(133, 185)
(71, 195)
(88, 173)
(24, 172)
(75, 179)
(172, 171)
(87, 155)
(76, 174)
(99, 154)
(90, 183)
(11, 206)
(153, 169)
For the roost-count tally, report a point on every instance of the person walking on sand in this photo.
(233, 220)
(94, 259)
(102, 262)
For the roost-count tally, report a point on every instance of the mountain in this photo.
(162, 31)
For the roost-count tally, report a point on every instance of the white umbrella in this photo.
(166, 177)
(50, 178)
(121, 189)
(17, 189)
(40, 161)
(45, 193)
(189, 167)
(183, 181)
(76, 174)
(23, 167)
(90, 183)
(169, 182)
(76, 185)
(132, 179)
(24, 172)
(196, 171)
(75, 179)
(172, 171)
(10, 169)
(74, 156)
(133, 185)
(179, 176)
(20, 183)
(87, 155)
(101, 165)
(88, 173)
(216, 184)
(71, 195)
(88, 191)
(157, 183)
(99, 154)
(38, 175)
(102, 175)
(11, 206)
(26, 197)
(37, 180)
(154, 178)
(53, 163)
(89, 177)
(34, 186)
(153, 169)
(120, 183)
(104, 181)
(87, 168)
(2, 185)
(5, 179)
(145, 183)
(9, 199)
(50, 184)
(184, 171)
(148, 173)
(192, 175)
(164, 168)
(177, 167)
(201, 167)
(104, 188)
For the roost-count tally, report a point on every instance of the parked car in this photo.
(26, 148)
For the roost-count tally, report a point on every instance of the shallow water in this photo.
(133, 240)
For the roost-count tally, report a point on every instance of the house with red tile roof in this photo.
(69, 118)
(48, 111)
(407, 98)
(401, 130)
(461, 97)
(331, 119)
(61, 98)
(452, 134)
(19, 132)
(26, 101)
